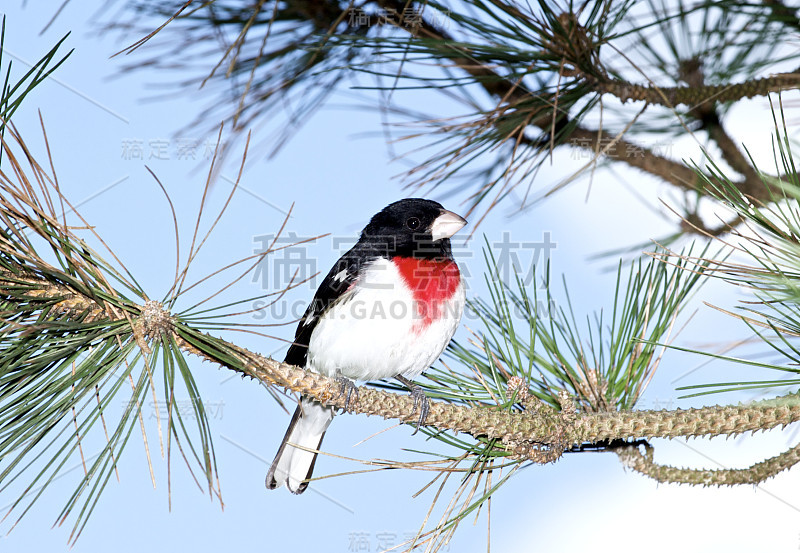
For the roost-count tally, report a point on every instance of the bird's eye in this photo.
(413, 223)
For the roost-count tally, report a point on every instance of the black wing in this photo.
(340, 279)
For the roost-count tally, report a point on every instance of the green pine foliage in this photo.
(78, 333)
(765, 260)
(605, 362)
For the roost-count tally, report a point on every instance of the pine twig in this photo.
(673, 96)
(635, 155)
(634, 458)
(540, 427)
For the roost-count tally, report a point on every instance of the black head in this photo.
(413, 227)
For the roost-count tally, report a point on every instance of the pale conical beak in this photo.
(446, 225)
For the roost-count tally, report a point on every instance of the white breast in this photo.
(375, 333)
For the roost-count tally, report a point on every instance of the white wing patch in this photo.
(341, 276)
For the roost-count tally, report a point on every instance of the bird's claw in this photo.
(421, 403)
(346, 388)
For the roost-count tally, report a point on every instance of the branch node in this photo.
(518, 386)
(562, 422)
(153, 322)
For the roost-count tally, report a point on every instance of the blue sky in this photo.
(337, 172)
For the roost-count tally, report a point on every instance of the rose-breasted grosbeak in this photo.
(387, 309)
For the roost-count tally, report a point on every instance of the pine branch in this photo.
(53, 315)
(508, 426)
(593, 140)
(634, 155)
(514, 426)
(693, 96)
(554, 46)
(642, 462)
(752, 185)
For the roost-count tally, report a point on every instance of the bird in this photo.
(387, 309)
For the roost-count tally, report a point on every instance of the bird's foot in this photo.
(421, 403)
(347, 388)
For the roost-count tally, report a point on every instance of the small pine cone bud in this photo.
(517, 384)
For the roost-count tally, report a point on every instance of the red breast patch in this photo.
(432, 283)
